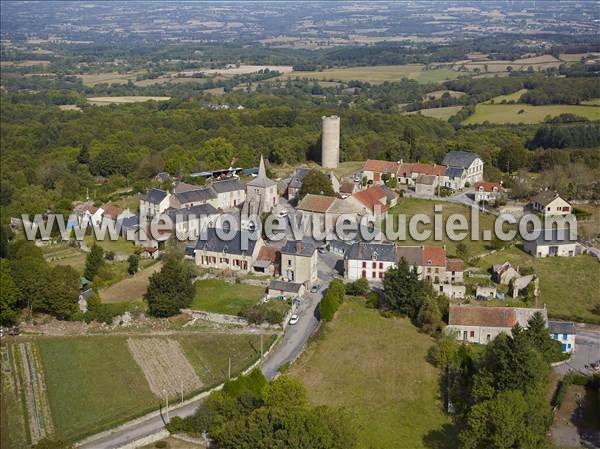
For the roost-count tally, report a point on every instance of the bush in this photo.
(373, 300)
(332, 300)
(360, 287)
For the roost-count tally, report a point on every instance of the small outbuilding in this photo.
(285, 289)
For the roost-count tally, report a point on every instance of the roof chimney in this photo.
(298, 246)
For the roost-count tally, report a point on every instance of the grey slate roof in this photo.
(155, 196)
(227, 185)
(213, 243)
(413, 255)
(453, 172)
(191, 196)
(283, 286)
(198, 210)
(562, 327)
(556, 237)
(305, 248)
(545, 197)
(261, 179)
(385, 252)
(459, 159)
(130, 222)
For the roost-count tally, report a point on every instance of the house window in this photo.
(374, 265)
(363, 274)
(488, 337)
(381, 265)
(569, 346)
(289, 262)
(374, 275)
(364, 265)
(555, 336)
(380, 275)
(464, 335)
(472, 334)
(564, 337)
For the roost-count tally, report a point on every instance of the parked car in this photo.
(323, 249)
(314, 288)
(294, 319)
(282, 213)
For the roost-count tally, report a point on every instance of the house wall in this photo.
(558, 206)
(477, 334)
(425, 189)
(566, 340)
(268, 196)
(226, 261)
(372, 270)
(273, 293)
(299, 269)
(563, 250)
(451, 291)
(152, 209)
(227, 200)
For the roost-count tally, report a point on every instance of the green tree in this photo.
(62, 292)
(285, 392)
(462, 251)
(93, 262)
(30, 273)
(170, 289)
(402, 290)
(538, 336)
(316, 183)
(217, 153)
(10, 297)
(134, 262)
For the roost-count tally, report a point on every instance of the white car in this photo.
(282, 213)
(294, 319)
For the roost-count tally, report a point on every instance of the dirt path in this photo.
(130, 289)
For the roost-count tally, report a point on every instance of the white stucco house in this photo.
(463, 167)
(548, 202)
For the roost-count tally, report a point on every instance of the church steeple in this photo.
(262, 171)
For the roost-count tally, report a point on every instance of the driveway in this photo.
(587, 350)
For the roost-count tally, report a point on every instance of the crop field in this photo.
(376, 369)
(62, 254)
(70, 387)
(217, 296)
(439, 93)
(566, 283)
(576, 57)
(524, 113)
(164, 366)
(379, 74)
(440, 113)
(412, 206)
(538, 63)
(103, 101)
(91, 79)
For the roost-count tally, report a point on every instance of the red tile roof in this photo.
(482, 316)
(434, 256)
(455, 265)
(347, 187)
(316, 203)
(488, 186)
(268, 253)
(112, 211)
(375, 165)
(372, 197)
(421, 169)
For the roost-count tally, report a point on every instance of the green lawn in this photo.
(63, 254)
(412, 206)
(568, 285)
(93, 383)
(509, 97)
(509, 113)
(215, 295)
(376, 369)
(117, 246)
(441, 113)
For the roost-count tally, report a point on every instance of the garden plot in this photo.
(164, 365)
(34, 391)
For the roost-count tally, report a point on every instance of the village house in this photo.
(268, 261)
(369, 261)
(196, 197)
(548, 202)
(520, 285)
(409, 173)
(282, 289)
(555, 242)
(89, 215)
(315, 205)
(374, 200)
(503, 273)
(563, 332)
(214, 252)
(193, 220)
(262, 191)
(480, 324)
(299, 262)
(293, 188)
(488, 192)
(464, 168)
(376, 171)
(154, 202)
(426, 185)
(484, 293)
(347, 188)
(230, 193)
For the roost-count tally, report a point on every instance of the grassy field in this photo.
(439, 93)
(412, 206)
(102, 101)
(376, 369)
(441, 113)
(117, 246)
(215, 295)
(510, 97)
(594, 102)
(94, 383)
(62, 254)
(347, 168)
(509, 113)
(567, 284)
(379, 74)
(131, 288)
(91, 79)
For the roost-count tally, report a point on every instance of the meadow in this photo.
(376, 369)
(567, 284)
(103, 101)
(217, 296)
(380, 74)
(439, 113)
(525, 113)
(131, 288)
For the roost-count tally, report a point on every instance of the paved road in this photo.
(291, 346)
(587, 350)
